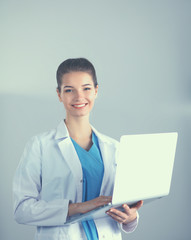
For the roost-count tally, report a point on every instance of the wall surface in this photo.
(141, 51)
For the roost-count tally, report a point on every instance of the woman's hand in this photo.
(127, 216)
(76, 208)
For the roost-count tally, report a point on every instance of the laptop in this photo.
(144, 172)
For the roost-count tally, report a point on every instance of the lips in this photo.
(81, 105)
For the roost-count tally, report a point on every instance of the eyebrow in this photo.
(88, 84)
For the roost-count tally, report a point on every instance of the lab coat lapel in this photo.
(70, 156)
(68, 151)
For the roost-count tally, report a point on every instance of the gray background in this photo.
(141, 51)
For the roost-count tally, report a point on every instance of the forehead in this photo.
(77, 78)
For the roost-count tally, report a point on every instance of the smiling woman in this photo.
(70, 170)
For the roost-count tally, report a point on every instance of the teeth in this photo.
(81, 105)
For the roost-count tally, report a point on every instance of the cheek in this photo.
(65, 102)
(92, 96)
(66, 99)
(92, 100)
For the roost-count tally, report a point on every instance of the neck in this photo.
(78, 127)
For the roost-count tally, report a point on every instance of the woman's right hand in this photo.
(77, 208)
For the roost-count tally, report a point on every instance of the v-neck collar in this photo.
(92, 146)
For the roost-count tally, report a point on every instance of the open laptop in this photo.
(144, 171)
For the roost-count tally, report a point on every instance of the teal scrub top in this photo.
(93, 170)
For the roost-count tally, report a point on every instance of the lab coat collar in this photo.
(62, 132)
(100, 136)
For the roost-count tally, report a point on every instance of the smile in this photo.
(79, 105)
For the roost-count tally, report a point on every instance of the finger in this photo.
(138, 205)
(117, 215)
(127, 209)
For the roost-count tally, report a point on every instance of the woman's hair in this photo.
(75, 65)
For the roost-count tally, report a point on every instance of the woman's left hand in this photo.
(127, 216)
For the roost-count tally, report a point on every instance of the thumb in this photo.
(139, 204)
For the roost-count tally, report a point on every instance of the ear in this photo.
(59, 95)
(96, 91)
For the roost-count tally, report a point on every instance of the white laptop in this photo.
(144, 171)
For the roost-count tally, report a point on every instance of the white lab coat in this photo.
(49, 177)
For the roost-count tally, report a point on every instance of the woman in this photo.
(70, 169)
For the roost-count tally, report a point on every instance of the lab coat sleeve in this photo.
(130, 227)
(29, 208)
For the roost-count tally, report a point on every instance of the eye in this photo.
(87, 88)
(68, 90)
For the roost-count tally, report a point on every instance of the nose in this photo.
(79, 95)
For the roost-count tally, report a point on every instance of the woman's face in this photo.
(77, 93)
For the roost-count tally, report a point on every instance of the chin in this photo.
(79, 115)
